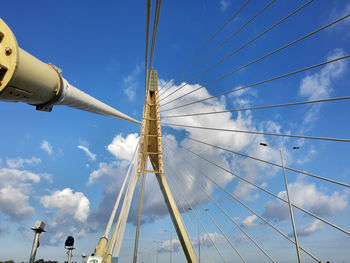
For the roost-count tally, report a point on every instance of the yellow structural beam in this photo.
(151, 146)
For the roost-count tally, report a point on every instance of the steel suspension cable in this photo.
(148, 25)
(240, 48)
(188, 218)
(266, 55)
(260, 82)
(211, 240)
(116, 205)
(260, 133)
(154, 36)
(114, 242)
(238, 226)
(234, 15)
(139, 215)
(217, 226)
(205, 44)
(264, 161)
(223, 42)
(258, 107)
(261, 188)
(242, 203)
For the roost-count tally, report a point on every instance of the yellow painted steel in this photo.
(101, 248)
(8, 54)
(151, 146)
(23, 77)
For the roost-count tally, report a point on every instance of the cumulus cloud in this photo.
(250, 221)
(309, 229)
(19, 162)
(68, 204)
(68, 213)
(169, 245)
(46, 146)
(89, 154)
(174, 245)
(319, 85)
(15, 203)
(15, 187)
(240, 142)
(106, 170)
(307, 196)
(123, 148)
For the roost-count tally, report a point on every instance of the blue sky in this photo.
(66, 167)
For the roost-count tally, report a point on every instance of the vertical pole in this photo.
(139, 218)
(199, 237)
(70, 255)
(171, 244)
(290, 208)
(34, 247)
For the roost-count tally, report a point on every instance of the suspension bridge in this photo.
(202, 175)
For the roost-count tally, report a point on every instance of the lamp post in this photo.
(69, 245)
(156, 242)
(38, 228)
(84, 257)
(199, 239)
(171, 242)
(288, 197)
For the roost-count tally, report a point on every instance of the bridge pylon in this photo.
(151, 147)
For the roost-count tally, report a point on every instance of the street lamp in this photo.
(199, 239)
(171, 242)
(156, 242)
(288, 197)
(69, 245)
(38, 228)
(84, 257)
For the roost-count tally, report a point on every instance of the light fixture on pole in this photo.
(288, 197)
(199, 239)
(157, 246)
(84, 257)
(38, 228)
(171, 243)
(69, 245)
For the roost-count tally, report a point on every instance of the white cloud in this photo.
(45, 145)
(319, 85)
(250, 221)
(123, 148)
(169, 245)
(15, 187)
(68, 213)
(224, 4)
(15, 203)
(19, 162)
(104, 169)
(89, 154)
(206, 240)
(240, 142)
(307, 230)
(68, 204)
(307, 196)
(131, 83)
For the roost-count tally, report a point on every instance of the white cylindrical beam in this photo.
(24, 78)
